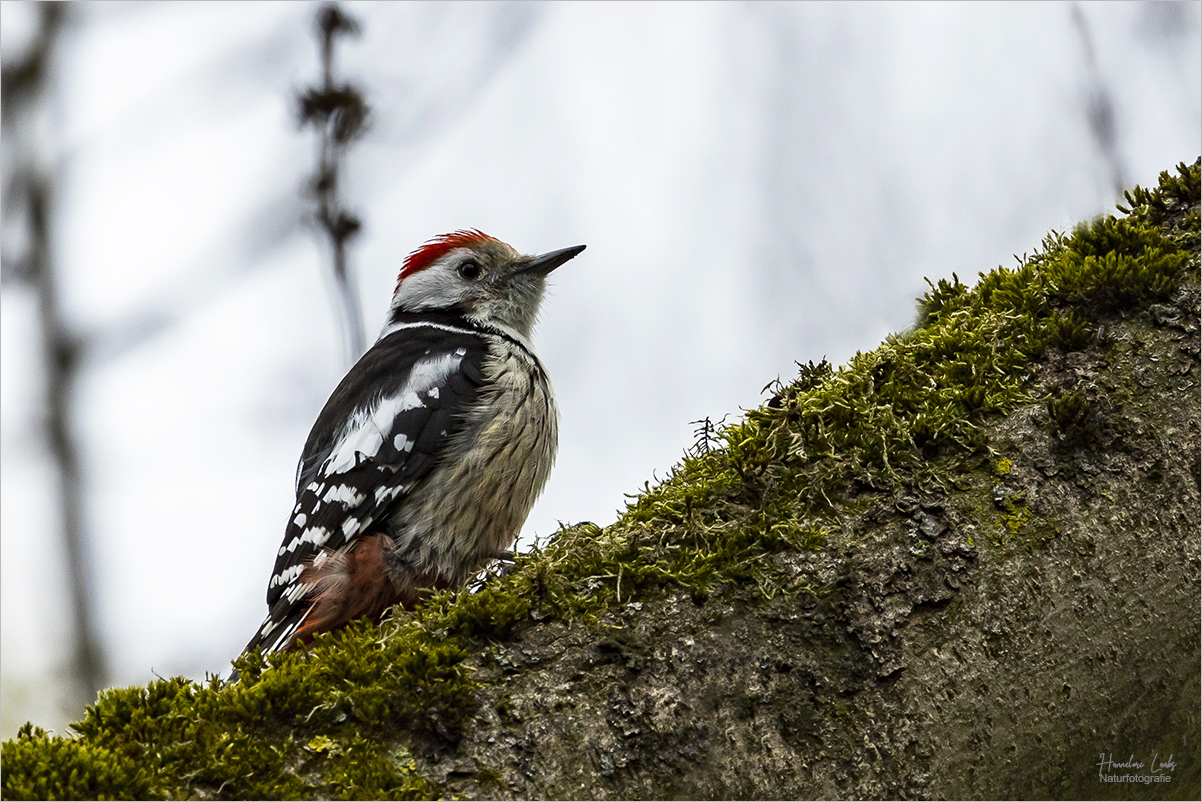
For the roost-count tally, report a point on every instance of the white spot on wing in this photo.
(386, 493)
(316, 535)
(287, 575)
(364, 433)
(300, 519)
(298, 591)
(344, 493)
(287, 634)
(402, 443)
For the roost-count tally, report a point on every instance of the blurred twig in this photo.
(339, 114)
(1103, 123)
(30, 190)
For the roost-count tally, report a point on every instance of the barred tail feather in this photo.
(278, 633)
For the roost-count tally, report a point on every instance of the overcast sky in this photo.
(757, 183)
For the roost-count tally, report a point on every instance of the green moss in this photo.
(1014, 519)
(360, 768)
(1011, 523)
(335, 722)
(1067, 409)
(906, 415)
(37, 766)
(176, 738)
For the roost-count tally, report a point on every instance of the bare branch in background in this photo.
(339, 114)
(29, 192)
(1103, 123)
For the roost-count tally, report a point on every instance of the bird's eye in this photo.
(469, 270)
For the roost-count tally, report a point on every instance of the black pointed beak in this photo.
(545, 263)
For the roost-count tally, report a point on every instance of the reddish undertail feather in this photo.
(439, 247)
(351, 585)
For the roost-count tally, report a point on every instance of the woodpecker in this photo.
(426, 460)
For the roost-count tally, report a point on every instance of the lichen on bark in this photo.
(965, 564)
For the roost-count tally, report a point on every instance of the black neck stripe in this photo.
(442, 317)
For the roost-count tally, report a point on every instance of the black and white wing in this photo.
(381, 431)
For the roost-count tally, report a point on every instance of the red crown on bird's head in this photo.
(439, 247)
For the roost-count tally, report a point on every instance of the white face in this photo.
(484, 283)
(442, 284)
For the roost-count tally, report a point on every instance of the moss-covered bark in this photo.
(966, 564)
